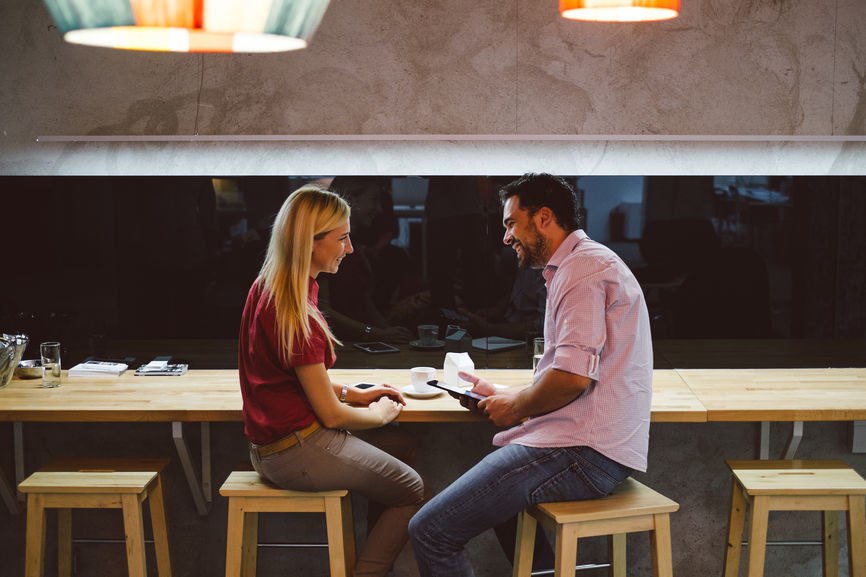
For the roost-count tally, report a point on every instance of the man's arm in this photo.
(553, 390)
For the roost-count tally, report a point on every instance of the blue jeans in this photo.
(504, 483)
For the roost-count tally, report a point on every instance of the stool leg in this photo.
(159, 525)
(831, 543)
(133, 526)
(35, 548)
(758, 535)
(736, 521)
(525, 544)
(235, 538)
(660, 538)
(338, 548)
(857, 535)
(64, 542)
(618, 554)
(250, 548)
(348, 532)
(566, 550)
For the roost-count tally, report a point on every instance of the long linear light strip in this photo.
(453, 137)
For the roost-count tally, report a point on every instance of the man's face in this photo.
(521, 234)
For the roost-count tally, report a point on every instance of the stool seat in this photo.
(795, 485)
(248, 495)
(99, 487)
(631, 507)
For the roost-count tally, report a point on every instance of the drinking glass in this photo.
(537, 351)
(50, 364)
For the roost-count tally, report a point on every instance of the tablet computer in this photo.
(377, 348)
(465, 394)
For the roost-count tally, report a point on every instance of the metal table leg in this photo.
(201, 493)
(794, 440)
(764, 445)
(8, 494)
(791, 446)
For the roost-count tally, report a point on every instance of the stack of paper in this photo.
(95, 368)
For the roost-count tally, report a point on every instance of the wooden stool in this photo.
(765, 486)
(249, 495)
(96, 484)
(631, 507)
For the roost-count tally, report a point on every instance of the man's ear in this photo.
(545, 217)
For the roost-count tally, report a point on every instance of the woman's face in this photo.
(329, 250)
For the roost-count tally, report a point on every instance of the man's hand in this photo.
(499, 406)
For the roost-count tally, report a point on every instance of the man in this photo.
(582, 426)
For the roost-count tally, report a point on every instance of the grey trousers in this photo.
(332, 459)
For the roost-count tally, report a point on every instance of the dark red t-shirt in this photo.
(274, 401)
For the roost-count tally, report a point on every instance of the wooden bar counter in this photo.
(214, 396)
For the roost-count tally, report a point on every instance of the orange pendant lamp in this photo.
(189, 25)
(619, 10)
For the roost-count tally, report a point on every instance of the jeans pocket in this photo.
(333, 443)
(587, 476)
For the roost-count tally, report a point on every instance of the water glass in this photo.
(50, 364)
(537, 351)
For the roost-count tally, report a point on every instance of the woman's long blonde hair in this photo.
(307, 214)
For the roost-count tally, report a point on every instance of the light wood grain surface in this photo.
(779, 394)
(213, 395)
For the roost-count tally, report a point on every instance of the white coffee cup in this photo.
(418, 377)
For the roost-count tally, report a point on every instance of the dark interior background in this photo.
(118, 266)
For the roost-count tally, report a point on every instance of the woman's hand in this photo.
(370, 394)
(385, 409)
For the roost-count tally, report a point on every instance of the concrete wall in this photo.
(513, 70)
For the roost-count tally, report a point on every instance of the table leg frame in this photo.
(791, 446)
(201, 492)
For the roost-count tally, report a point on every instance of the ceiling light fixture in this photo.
(619, 10)
(189, 25)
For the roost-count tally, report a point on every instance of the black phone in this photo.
(453, 316)
(468, 395)
(377, 348)
(363, 385)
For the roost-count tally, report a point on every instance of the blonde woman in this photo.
(296, 419)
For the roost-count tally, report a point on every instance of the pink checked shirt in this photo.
(596, 325)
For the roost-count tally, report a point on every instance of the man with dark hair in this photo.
(582, 426)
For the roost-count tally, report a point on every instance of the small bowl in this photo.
(30, 369)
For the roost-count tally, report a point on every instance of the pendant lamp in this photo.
(189, 25)
(619, 10)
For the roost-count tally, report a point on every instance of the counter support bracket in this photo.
(8, 494)
(791, 446)
(201, 492)
(8, 490)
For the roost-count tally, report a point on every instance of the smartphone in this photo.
(376, 348)
(363, 385)
(467, 394)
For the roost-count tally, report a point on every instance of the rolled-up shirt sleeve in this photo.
(580, 335)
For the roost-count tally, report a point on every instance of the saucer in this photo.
(410, 391)
(417, 344)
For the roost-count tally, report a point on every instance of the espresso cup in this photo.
(427, 334)
(418, 377)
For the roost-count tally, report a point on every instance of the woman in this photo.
(295, 418)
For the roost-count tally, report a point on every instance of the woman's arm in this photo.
(336, 415)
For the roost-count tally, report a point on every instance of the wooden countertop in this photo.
(213, 395)
(779, 394)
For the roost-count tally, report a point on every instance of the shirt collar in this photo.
(568, 245)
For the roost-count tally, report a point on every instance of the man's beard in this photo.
(533, 254)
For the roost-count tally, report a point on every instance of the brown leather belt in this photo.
(286, 442)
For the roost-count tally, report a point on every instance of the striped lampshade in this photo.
(619, 10)
(189, 25)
